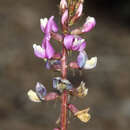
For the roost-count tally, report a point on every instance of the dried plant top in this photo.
(71, 40)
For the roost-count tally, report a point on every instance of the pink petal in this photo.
(39, 51)
(82, 47)
(49, 50)
(89, 24)
(80, 10)
(68, 40)
(64, 17)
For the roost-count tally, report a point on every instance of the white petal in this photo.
(90, 20)
(43, 22)
(33, 96)
(85, 91)
(90, 64)
(77, 42)
(39, 51)
(63, 4)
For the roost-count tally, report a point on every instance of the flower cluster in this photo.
(71, 40)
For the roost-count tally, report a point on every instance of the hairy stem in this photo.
(64, 111)
(64, 95)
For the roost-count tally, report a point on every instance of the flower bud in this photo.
(63, 4)
(79, 10)
(51, 96)
(72, 108)
(89, 24)
(64, 17)
(40, 90)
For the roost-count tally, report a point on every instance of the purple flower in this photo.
(40, 90)
(74, 42)
(39, 51)
(89, 24)
(44, 52)
(81, 59)
(84, 62)
(49, 51)
(48, 25)
(61, 84)
(40, 93)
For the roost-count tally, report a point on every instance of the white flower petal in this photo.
(39, 51)
(78, 41)
(90, 64)
(43, 22)
(63, 4)
(90, 20)
(33, 96)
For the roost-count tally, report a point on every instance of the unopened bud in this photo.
(89, 24)
(64, 17)
(51, 96)
(79, 10)
(72, 108)
(63, 4)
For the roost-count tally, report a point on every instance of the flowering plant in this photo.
(71, 40)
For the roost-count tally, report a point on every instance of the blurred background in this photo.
(108, 83)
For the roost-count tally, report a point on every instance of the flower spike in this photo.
(70, 39)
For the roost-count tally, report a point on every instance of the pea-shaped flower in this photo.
(48, 25)
(61, 84)
(74, 43)
(83, 115)
(89, 24)
(84, 62)
(39, 94)
(44, 52)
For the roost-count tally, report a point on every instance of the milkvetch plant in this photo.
(71, 40)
